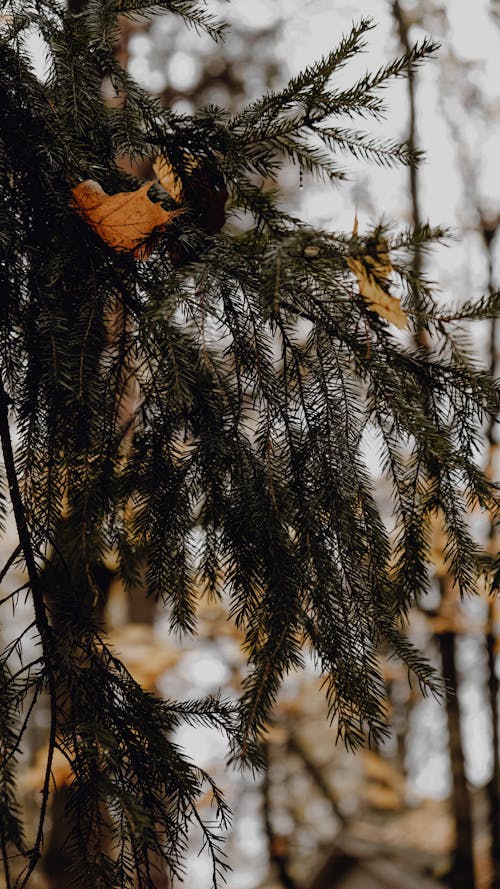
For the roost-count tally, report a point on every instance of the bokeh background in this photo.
(411, 812)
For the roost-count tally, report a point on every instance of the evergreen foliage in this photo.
(243, 471)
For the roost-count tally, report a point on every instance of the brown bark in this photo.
(462, 870)
(493, 786)
(402, 27)
(489, 228)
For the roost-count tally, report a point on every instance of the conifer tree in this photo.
(242, 471)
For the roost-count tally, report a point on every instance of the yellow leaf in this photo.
(371, 272)
(125, 220)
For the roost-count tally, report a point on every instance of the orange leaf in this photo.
(124, 220)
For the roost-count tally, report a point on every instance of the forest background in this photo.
(433, 788)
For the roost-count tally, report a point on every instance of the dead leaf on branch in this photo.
(169, 179)
(130, 221)
(202, 189)
(371, 271)
(125, 221)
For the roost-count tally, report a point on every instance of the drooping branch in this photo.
(42, 622)
(41, 618)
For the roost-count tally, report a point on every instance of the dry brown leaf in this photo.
(371, 272)
(168, 178)
(203, 189)
(125, 220)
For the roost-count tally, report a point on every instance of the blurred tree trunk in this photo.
(400, 20)
(487, 222)
(493, 786)
(462, 870)
(402, 27)
(489, 229)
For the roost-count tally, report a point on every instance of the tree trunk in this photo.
(493, 786)
(462, 871)
(489, 230)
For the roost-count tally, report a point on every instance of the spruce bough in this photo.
(239, 472)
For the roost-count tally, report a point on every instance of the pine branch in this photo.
(258, 367)
(301, 89)
(193, 13)
(10, 561)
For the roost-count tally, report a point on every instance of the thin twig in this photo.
(24, 726)
(10, 561)
(37, 660)
(6, 652)
(15, 592)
